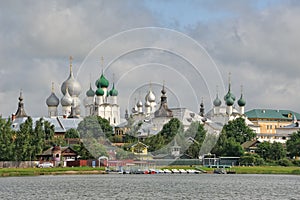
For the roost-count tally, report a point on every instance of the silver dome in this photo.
(52, 100)
(73, 86)
(139, 104)
(150, 96)
(66, 100)
(147, 104)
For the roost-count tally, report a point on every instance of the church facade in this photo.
(101, 102)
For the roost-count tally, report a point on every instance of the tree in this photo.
(93, 131)
(72, 133)
(37, 139)
(277, 152)
(263, 150)
(251, 159)
(198, 133)
(293, 145)
(7, 137)
(23, 150)
(271, 151)
(82, 151)
(165, 136)
(238, 130)
(232, 136)
(49, 130)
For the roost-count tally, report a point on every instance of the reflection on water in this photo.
(159, 186)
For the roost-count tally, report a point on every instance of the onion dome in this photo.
(52, 100)
(147, 104)
(139, 104)
(229, 94)
(102, 82)
(71, 83)
(241, 101)
(113, 91)
(66, 100)
(90, 92)
(99, 92)
(217, 102)
(229, 101)
(150, 96)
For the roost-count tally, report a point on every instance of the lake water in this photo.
(159, 186)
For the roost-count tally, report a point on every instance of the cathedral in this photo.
(101, 102)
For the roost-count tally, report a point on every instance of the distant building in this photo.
(275, 125)
(57, 155)
(101, 102)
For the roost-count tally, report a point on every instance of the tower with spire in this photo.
(163, 110)
(229, 98)
(20, 111)
(71, 90)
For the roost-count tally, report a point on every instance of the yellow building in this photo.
(140, 150)
(269, 120)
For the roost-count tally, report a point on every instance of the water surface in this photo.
(159, 186)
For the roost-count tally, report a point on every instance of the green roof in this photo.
(272, 114)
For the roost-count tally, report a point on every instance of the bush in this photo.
(296, 162)
(251, 159)
(284, 162)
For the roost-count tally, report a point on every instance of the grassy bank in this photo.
(50, 171)
(4, 172)
(267, 170)
(248, 170)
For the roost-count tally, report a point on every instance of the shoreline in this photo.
(14, 172)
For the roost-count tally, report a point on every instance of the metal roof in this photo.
(272, 114)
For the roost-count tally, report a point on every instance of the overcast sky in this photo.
(189, 45)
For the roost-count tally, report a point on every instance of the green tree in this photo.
(72, 133)
(232, 148)
(277, 151)
(165, 136)
(37, 138)
(271, 151)
(293, 145)
(93, 131)
(7, 136)
(232, 136)
(83, 153)
(238, 130)
(49, 130)
(198, 133)
(251, 159)
(23, 149)
(263, 150)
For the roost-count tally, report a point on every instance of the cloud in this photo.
(257, 42)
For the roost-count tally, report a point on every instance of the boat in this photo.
(219, 171)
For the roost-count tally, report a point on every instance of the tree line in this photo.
(27, 142)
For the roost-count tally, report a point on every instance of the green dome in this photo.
(229, 94)
(241, 101)
(90, 92)
(229, 101)
(113, 91)
(99, 92)
(102, 82)
(217, 101)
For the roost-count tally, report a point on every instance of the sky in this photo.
(190, 46)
